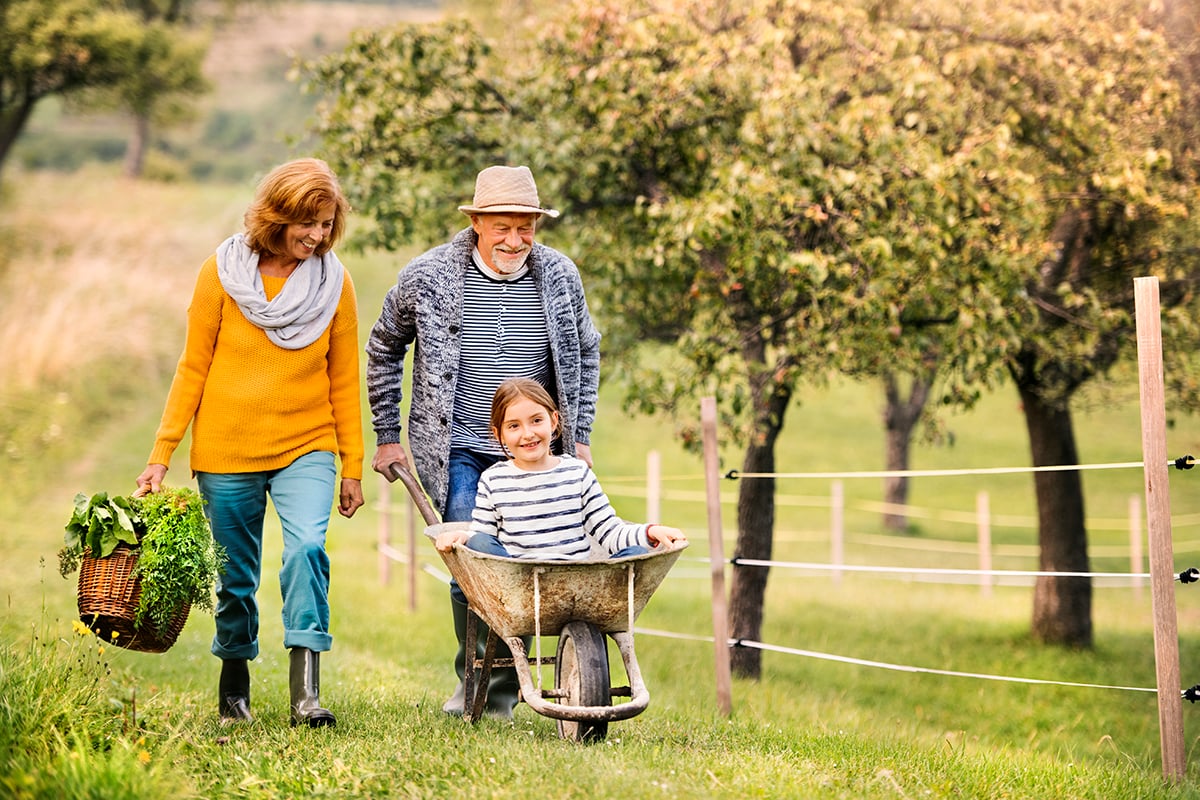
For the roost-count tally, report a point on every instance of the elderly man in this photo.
(488, 305)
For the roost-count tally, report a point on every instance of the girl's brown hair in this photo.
(514, 389)
(291, 193)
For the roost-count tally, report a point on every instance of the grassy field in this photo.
(93, 288)
(79, 722)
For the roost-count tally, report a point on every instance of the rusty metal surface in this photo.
(502, 590)
(538, 701)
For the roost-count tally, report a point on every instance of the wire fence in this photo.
(1163, 549)
(1011, 577)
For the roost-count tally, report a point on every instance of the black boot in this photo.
(305, 680)
(233, 691)
(503, 688)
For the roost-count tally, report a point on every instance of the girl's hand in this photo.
(446, 540)
(664, 535)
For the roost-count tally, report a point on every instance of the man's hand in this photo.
(388, 454)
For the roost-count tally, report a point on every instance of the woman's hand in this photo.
(350, 498)
(150, 481)
(664, 535)
(446, 540)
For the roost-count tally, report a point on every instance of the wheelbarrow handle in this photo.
(398, 470)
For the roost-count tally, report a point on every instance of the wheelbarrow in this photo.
(580, 602)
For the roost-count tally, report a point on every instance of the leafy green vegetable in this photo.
(98, 524)
(178, 560)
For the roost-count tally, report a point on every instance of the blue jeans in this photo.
(463, 483)
(490, 544)
(236, 505)
(465, 468)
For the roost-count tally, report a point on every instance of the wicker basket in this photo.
(108, 600)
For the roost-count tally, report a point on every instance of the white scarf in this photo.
(301, 311)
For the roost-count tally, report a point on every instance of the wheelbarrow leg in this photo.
(477, 704)
(471, 683)
(477, 675)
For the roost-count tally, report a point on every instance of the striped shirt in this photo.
(504, 336)
(555, 514)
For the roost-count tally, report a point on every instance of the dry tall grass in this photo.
(100, 267)
(258, 38)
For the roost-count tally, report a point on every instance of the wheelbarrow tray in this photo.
(519, 597)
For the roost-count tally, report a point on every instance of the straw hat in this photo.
(506, 190)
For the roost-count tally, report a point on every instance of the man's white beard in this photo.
(506, 263)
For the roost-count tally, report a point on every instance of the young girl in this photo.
(537, 505)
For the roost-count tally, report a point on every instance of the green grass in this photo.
(92, 291)
(810, 728)
(76, 722)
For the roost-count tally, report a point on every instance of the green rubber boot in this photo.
(304, 678)
(234, 691)
(503, 688)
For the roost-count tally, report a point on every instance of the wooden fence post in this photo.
(412, 555)
(983, 517)
(716, 551)
(1135, 543)
(837, 529)
(1158, 518)
(653, 487)
(384, 538)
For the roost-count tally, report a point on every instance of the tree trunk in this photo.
(756, 530)
(135, 150)
(1062, 606)
(899, 418)
(12, 122)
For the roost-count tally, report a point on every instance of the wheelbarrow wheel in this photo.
(581, 676)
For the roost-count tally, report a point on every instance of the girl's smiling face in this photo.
(527, 433)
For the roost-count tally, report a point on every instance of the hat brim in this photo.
(513, 209)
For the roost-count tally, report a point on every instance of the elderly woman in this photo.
(269, 383)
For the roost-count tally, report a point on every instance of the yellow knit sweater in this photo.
(252, 405)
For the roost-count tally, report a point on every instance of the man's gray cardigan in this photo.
(425, 308)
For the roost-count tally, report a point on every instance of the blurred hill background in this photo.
(256, 114)
(98, 268)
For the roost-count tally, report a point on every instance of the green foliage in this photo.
(402, 161)
(59, 47)
(97, 526)
(782, 189)
(178, 560)
(229, 129)
(166, 75)
(858, 187)
(46, 153)
(66, 727)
